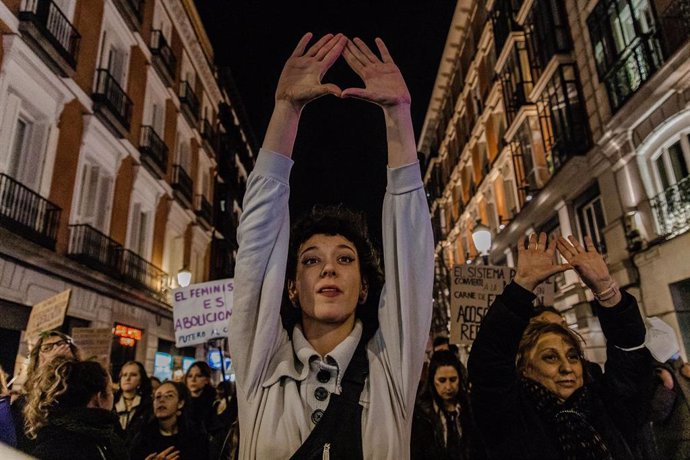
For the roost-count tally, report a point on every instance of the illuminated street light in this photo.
(184, 277)
(481, 236)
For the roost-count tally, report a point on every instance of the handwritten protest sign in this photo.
(474, 288)
(201, 311)
(48, 314)
(94, 343)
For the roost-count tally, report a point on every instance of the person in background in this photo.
(49, 346)
(441, 342)
(155, 383)
(671, 409)
(170, 435)
(133, 404)
(529, 394)
(7, 431)
(443, 426)
(69, 413)
(202, 395)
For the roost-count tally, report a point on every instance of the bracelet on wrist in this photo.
(608, 293)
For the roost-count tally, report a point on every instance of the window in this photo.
(671, 166)
(591, 219)
(95, 198)
(139, 229)
(114, 57)
(626, 47)
(547, 34)
(565, 127)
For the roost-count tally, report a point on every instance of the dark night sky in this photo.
(340, 151)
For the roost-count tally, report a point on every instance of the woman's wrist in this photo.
(524, 283)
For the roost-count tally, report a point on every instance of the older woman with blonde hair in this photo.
(529, 392)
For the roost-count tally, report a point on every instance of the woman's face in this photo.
(328, 282)
(554, 363)
(166, 402)
(130, 378)
(51, 347)
(196, 381)
(447, 383)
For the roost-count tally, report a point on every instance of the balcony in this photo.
(111, 103)
(140, 273)
(132, 11)
(516, 81)
(204, 211)
(635, 66)
(182, 186)
(95, 250)
(48, 31)
(164, 60)
(672, 209)
(222, 259)
(503, 22)
(547, 33)
(189, 103)
(209, 137)
(675, 24)
(28, 214)
(154, 152)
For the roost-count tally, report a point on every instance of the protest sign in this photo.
(48, 314)
(201, 311)
(473, 290)
(94, 343)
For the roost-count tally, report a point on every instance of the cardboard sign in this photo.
(48, 314)
(474, 288)
(94, 343)
(202, 311)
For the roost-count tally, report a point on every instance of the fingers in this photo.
(566, 249)
(371, 57)
(334, 42)
(533, 241)
(576, 244)
(357, 53)
(541, 242)
(313, 49)
(357, 93)
(589, 244)
(385, 54)
(330, 88)
(302, 45)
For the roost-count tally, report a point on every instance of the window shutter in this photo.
(143, 235)
(134, 227)
(157, 120)
(103, 194)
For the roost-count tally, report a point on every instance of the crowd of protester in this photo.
(328, 358)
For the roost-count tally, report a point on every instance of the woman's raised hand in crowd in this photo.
(300, 80)
(383, 83)
(537, 262)
(589, 264)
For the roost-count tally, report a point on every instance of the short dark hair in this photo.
(441, 340)
(337, 220)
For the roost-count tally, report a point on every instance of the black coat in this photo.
(191, 441)
(80, 434)
(427, 442)
(140, 416)
(509, 423)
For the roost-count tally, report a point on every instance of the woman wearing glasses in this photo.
(50, 345)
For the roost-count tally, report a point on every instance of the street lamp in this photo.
(481, 236)
(184, 277)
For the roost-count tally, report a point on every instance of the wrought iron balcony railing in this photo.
(189, 101)
(94, 249)
(154, 152)
(204, 210)
(635, 66)
(142, 273)
(112, 102)
(164, 59)
(208, 134)
(44, 21)
(672, 209)
(25, 212)
(182, 185)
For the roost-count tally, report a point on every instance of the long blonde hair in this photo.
(62, 384)
(34, 358)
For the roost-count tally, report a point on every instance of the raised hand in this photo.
(300, 80)
(587, 262)
(168, 454)
(384, 84)
(536, 262)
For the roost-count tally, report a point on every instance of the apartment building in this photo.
(567, 117)
(122, 162)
